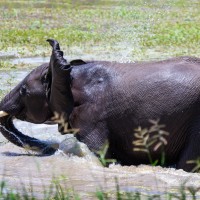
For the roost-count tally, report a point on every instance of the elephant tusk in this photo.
(2, 113)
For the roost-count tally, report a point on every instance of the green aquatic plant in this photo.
(102, 155)
(197, 164)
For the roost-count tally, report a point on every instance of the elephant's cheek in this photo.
(38, 115)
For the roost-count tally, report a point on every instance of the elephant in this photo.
(107, 101)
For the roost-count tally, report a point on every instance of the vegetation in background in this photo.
(107, 30)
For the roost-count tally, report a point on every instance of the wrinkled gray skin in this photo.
(108, 100)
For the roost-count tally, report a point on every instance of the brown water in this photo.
(83, 174)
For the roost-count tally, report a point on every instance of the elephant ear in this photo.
(55, 45)
(57, 62)
(60, 97)
(57, 56)
(48, 77)
(48, 82)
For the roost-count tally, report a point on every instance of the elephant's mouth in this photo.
(46, 118)
(9, 131)
(21, 116)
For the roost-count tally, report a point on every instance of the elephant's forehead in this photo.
(38, 72)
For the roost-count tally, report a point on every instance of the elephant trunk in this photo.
(9, 131)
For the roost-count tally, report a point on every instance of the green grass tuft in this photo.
(107, 30)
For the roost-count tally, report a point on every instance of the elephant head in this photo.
(27, 101)
(31, 101)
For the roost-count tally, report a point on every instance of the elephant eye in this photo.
(44, 79)
(23, 90)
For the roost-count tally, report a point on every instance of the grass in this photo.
(107, 30)
(57, 191)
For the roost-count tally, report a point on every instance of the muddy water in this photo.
(21, 168)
